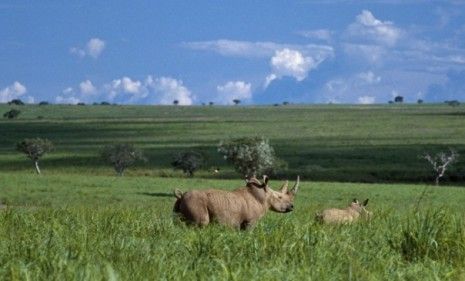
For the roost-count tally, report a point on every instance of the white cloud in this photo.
(94, 48)
(14, 91)
(87, 88)
(318, 34)
(257, 49)
(366, 100)
(125, 89)
(233, 90)
(287, 62)
(367, 27)
(168, 89)
(67, 97)
(369, 77)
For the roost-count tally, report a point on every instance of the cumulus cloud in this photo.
(366, 26)
(366, 100)
(67, 97)
(125, 89)
(233, 90)
(87, 88)
(288, 62)
(94, 48)
(167, 90)
(15, 91)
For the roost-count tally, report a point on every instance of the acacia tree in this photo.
(440, 162)
(250, 156)
(35, 149)
(13, 113)
(188, 162)
(121, 156)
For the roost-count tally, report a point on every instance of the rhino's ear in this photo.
(355, 201)
(265, 180)
(254, 182)
(178, 193)
(365, 202)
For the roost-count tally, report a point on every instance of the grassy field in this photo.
(74, 227)
(80, 222)
(325, 143)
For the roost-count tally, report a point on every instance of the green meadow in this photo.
(78, 221)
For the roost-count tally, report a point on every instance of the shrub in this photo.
(188, 162)
(16, 102)
(43, 103)
(399, 99)
(13, 113)
(452, 102)
(121, 156)
(250, 156)
(35, 149)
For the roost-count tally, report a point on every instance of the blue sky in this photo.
(261, 52)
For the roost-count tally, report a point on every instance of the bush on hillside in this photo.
(16, 102)
(12, 114)
(188, 162)
(35, 149)
(249, 156)
(122, 156)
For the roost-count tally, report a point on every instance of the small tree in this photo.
(175, 102)
(122, 156)
(236, 101)
(188, 162)
(453, 102)
(12, 114)
(43, 103)
(419, 101)
(440, 163)
(211, 103)
(35, 149)
(250, 156)
(16, 102)
(399, 99)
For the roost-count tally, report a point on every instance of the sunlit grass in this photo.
(80, 227)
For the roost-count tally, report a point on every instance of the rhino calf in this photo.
(240, 208)
(355, 211)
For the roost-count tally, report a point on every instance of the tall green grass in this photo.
(80, 227)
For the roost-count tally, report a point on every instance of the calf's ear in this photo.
(178, 193)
